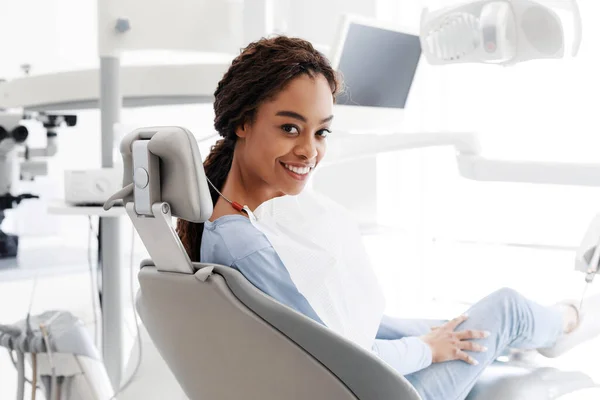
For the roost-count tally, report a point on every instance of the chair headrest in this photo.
(182, 179)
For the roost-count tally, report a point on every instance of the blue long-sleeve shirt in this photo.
(233, 241)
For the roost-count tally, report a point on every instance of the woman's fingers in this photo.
(453, 324)
(461, 355)
(471, 346)
(472, 334)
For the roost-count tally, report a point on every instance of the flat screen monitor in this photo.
(378, 64)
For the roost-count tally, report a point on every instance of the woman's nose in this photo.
(307, 148)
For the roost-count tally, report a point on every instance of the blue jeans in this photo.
(512, 320)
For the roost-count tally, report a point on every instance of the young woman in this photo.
(273, 108)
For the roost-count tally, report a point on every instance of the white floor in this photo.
(68, 287)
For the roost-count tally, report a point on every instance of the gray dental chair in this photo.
(222, 338)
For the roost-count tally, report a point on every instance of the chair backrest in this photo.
(218, 349)
(221, 337)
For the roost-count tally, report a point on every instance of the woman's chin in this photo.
(293, 190)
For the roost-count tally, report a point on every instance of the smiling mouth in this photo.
(299, 173)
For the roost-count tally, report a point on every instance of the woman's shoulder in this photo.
(233, 234)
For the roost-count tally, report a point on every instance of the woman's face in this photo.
(287, 138)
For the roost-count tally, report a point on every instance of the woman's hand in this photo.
(448, 345)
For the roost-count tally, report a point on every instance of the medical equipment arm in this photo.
(141, 85)
(554, 173)
(346, 147)
(471, 164)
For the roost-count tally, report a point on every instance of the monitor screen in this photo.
(378, 66)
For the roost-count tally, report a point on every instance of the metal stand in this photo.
(112, 304)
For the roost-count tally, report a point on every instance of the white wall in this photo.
(48, 34)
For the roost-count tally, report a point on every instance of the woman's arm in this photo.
(406, 355)
(396, 328)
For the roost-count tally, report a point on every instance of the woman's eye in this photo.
(323, 133)
(290, 129)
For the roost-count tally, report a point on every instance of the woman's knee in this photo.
(505, 307)
(506, 295)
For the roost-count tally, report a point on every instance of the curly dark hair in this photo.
(260, 72)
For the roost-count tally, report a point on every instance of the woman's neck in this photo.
(246, 188)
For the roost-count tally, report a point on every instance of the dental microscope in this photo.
(21, 162)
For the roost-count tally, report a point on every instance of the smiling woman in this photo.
(273, 109)
(285, 139)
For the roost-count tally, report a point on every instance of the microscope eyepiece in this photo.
(71, 120)
(20, 134)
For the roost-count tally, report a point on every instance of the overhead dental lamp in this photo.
(501, 32)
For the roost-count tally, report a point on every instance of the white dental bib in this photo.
(321, 247)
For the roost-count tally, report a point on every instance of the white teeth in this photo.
(298, 170)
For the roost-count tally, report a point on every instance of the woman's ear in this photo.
(242, 130)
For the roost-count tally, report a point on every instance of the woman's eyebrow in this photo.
(300, 117)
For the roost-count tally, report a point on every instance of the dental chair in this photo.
(222, 338)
